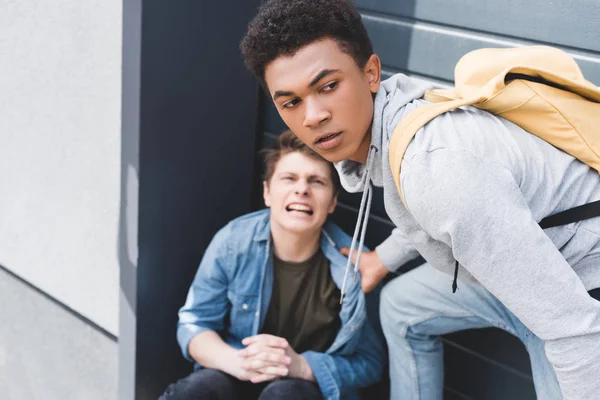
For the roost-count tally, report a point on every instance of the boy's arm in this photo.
(207, 304)
(396, 251)
(209, 350)
(337, 374)
(202, 317)
(390, 255)
(476, 208)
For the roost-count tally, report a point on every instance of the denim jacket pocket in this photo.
(244, 310)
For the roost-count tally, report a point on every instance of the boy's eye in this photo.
(329, 87)
(291, 103)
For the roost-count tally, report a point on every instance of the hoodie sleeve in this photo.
(396, 250)
(477, 209)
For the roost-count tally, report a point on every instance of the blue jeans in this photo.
(419, 306)
(210, 384)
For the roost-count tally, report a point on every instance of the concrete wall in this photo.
(47, 353)
(60, 96)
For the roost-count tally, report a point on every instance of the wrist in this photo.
(382, 270)
(229, 362)
(304, 369)
(387, 256)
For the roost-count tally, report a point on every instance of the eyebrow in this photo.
(282, 93)
(320, 75)
(311, 176)
(324, 178)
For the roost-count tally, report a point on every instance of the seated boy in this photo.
(263, 318)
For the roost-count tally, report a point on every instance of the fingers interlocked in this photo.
(265, 358)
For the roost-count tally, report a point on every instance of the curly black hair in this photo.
(282, 27)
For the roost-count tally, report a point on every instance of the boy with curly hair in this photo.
(475, 186)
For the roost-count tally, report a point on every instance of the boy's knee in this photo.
(211, 382)
(291, 389)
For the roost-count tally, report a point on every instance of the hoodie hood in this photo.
(394, 93)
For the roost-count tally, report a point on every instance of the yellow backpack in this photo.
(539, 88)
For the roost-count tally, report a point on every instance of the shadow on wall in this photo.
(186, 169)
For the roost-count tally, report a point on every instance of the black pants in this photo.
(210, 384)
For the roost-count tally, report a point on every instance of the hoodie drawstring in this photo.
(364, 229)
(454, 283)
(361, 221)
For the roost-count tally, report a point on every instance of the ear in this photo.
(333, 205)
(266, 194)
(372, 73)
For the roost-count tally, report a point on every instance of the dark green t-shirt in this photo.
(304, 307)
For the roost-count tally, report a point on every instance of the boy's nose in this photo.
(315, 114)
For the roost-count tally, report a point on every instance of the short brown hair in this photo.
(287, 143)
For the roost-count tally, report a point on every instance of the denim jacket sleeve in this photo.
(339, 375)
(206, 305)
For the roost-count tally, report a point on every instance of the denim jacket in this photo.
(232, 289)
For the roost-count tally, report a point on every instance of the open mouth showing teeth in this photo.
(299, 208)
(328, 137)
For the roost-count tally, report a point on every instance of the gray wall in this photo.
(47, 353)
(425, 39)
(60, 95)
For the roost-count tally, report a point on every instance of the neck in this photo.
(292, 246)
(362, 153)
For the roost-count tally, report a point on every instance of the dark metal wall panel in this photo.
(562, 22)
(377, 230)
(190, 111)
(432, 50)
(475, 377)
(495, 346)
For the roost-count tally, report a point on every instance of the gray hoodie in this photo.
(476, 187)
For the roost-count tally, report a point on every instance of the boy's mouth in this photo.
(329, 140)
(301, 208)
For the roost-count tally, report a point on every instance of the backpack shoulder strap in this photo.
(408, 127)
(580, 213)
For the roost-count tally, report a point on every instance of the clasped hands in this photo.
(267, 358)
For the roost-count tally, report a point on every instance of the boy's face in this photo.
(326, 99)
(300, 193)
